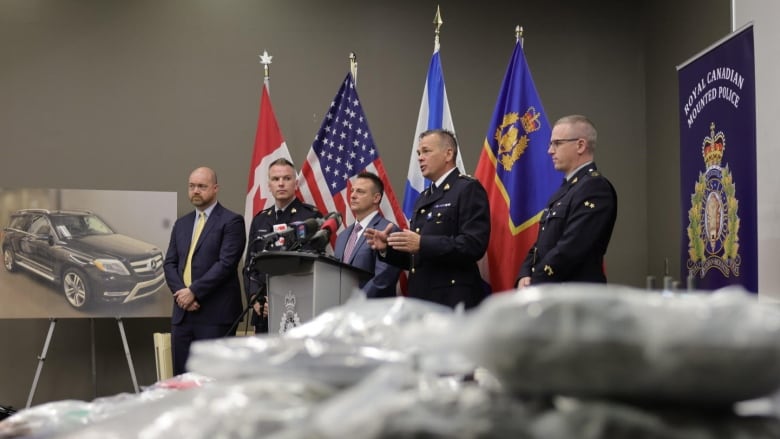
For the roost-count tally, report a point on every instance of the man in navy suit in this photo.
(576, 226)
(449, 233)
(364, 198)
(201, 268)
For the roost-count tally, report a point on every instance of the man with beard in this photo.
(201, 268)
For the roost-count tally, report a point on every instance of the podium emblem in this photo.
(290, 317)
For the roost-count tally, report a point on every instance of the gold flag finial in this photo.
(353, 65)
(519, 34)
(438, 22)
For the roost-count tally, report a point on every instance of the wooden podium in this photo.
(302, 285)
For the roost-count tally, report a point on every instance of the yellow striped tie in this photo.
(188, 267)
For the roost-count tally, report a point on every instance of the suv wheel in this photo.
(8, 259)
(74, 285)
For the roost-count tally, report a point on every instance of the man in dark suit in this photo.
(201, 268)
(576, 226)
(351, 246)
(287, 209)
(449, 233)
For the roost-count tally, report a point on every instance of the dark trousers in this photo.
(184, 334)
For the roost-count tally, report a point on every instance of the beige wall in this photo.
(132, 95)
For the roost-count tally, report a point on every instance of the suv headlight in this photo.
(111, 266)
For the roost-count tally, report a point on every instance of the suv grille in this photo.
(145, 266)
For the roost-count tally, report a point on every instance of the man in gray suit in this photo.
(351, 245)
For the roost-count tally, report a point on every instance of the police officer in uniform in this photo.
(577, 224)
(449, 233)
(287, 209)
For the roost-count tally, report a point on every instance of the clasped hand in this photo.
(185, 299)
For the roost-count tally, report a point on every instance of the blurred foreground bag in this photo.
(624, 343)
(6, 412)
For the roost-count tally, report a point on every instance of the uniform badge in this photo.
(290, 318)
(713, 229)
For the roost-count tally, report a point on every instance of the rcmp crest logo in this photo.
(290, 318)
(512, 144)
(713, 228)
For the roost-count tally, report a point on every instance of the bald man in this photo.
(201, 268)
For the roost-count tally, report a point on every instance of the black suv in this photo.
(78, 251)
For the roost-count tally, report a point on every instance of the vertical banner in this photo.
(718, 165)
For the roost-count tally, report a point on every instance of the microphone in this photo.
(278, 237)
(305, 229)
(330, 226)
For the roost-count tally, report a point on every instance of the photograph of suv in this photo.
(80, 253)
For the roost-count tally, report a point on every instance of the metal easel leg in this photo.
(127, 353)
(41, 359)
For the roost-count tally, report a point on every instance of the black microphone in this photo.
(305, 229)
(271, 237)
(330, 226)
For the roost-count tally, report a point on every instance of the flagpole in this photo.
(265, 60)
(519, 35)
(353, 66)
(438, 22)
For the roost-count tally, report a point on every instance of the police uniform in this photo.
(574, 231)
(262, 224)
(453, 222)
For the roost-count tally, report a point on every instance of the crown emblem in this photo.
(713, 146)
(530, 120)
(289, 301)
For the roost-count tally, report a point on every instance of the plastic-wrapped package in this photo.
(624, 343)
(243, 409)
(68, 415)
(397, 402)
(612, 420)
(338, 347)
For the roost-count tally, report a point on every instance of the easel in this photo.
(47, 342)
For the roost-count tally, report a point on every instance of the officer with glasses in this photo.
(577, 224)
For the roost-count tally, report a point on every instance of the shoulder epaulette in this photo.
(466, 176)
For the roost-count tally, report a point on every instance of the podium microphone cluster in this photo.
(330, 225)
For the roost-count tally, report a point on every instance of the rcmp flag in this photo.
(516, 172)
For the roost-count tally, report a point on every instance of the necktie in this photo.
(278, 213)
(351, 242)
(195, 236)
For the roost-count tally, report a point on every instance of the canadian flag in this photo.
(269, 146)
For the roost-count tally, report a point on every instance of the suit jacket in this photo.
(262, 223)
(574, 231)
(454, 227)
(215, 281)
(385, 275)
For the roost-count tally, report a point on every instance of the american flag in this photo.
(342, 148)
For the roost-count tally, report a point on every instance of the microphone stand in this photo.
(259, 295)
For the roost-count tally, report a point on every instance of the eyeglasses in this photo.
(554, 144)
